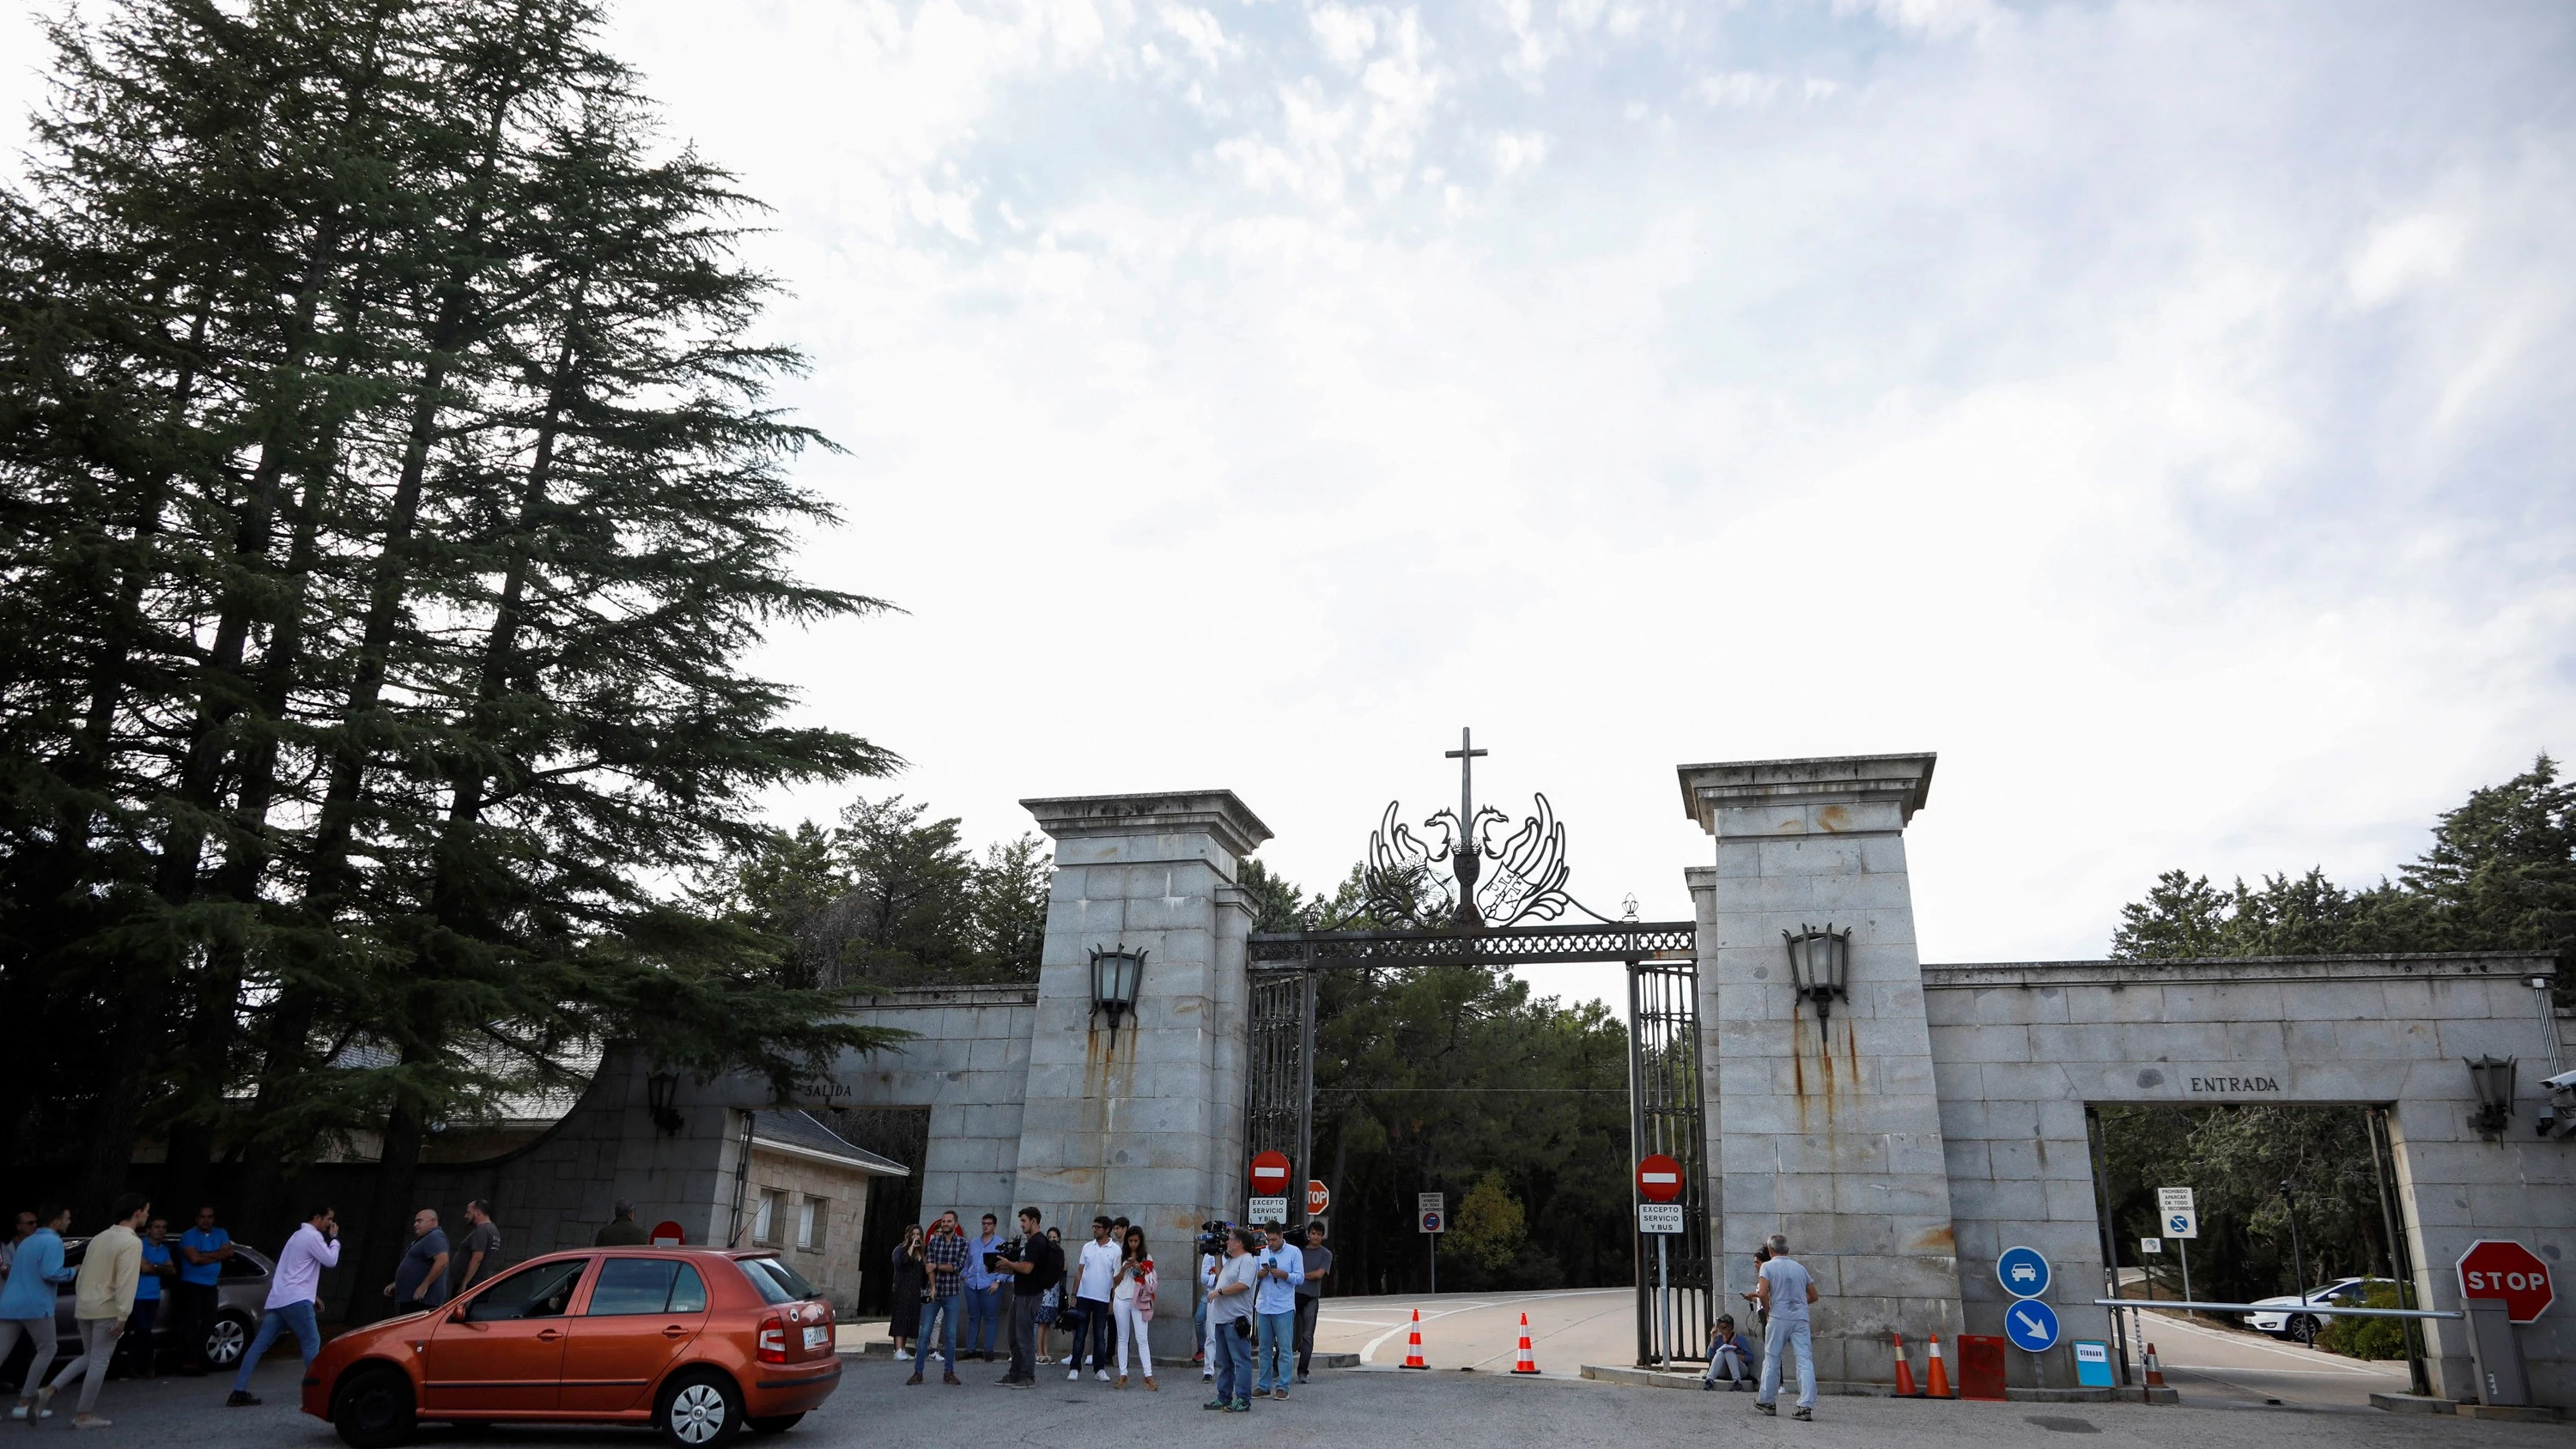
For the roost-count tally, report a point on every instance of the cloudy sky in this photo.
(2162, 411)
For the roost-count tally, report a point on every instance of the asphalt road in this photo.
(2209, 1362)
(1350, 1409)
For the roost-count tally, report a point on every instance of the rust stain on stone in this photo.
(1933, 1240)
(1834, 818)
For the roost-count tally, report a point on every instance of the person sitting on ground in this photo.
(1726, 1357)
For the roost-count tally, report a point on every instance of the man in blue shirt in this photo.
(1274, 1308)
(27, 1303)
(983, 1292)
(203, 1250)
(155, 1270)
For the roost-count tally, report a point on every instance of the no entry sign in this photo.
(1270, 1174)
(1659, 1178)
(2493, 1268)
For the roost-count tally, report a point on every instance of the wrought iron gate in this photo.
(1665, 1116)
(1500, 906)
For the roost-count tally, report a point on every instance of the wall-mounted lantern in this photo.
(2492, 1079)
(1115, 975)
(1818, 961)
(661, 1096)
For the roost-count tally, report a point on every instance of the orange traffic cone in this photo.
(1413, 1346)
(1939, 1376)
(1904, 1373)
(1527, 1364)
(2155, 1370)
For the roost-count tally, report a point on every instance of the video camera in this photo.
(1212, 1236)
(1008, 1253)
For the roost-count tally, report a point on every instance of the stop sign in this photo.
(1659, 1178)
(1270, 1174)
(1318, 1198)
(2493, 1268)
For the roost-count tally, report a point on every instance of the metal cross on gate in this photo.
(1467, 860)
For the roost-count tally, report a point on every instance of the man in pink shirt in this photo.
(315, 1246)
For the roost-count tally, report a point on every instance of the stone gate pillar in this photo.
(1829, 1132)
(1149, 1124)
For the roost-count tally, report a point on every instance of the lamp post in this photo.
(1115, 975)
(2492, 1079)
(1818, 961)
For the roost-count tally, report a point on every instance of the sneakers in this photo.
(1243, 1406)
(1216, 1404)
(90, 1421)
(1802, 1414)
(1279, 1394)
(1738, 1386)
(240, 1399)
(1103, 1375)
(1708, 1385)
(1301, 1378)
(1073, 1375)
(903, 1355)
(1760, 1407)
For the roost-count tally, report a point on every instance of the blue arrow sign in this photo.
(2031, 1325)
(2023, 1272)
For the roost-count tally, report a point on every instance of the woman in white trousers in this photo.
(1132, 1301)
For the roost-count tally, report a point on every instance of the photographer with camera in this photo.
(1035, 1265)
(1211, 1245)
(1230, 1324)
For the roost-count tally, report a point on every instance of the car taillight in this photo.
(773, 1340)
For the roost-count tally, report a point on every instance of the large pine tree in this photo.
(388, 496)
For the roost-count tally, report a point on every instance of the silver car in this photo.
(240, 1293)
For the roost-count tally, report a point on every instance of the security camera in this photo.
(2563, 1082)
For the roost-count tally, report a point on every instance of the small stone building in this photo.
(807, 1196)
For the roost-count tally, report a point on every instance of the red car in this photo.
(700, 1343)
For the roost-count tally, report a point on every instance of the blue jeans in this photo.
(296, 1316)
(945, 1310)
(1784, 1334)
(1276, 1359)
(1100, 1326)
(983, 1311)
(1233, 1364)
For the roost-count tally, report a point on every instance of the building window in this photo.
(809, 1224)
(764, 1219)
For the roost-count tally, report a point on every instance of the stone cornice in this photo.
(1219, 813)
(2241, 970)
(1902, 780)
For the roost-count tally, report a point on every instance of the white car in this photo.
(2283, 1320)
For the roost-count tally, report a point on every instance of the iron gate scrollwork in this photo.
(1482, 917)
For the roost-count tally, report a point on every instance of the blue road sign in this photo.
(2023, 1272)
(2031, 1325)
(1431, 1223)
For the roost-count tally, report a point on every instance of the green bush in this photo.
(2368, 1337)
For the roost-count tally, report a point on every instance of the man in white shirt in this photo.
(1209, 1265)
(1095, 1283)
(291, 1294)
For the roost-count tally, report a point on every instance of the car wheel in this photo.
(698, 1411)
(227, 1341)
(2301, 1328)
(373, 1408)
(775, 1423)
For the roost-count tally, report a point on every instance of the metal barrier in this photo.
(2316, 1310)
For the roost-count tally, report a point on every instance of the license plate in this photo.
(816, 1337)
